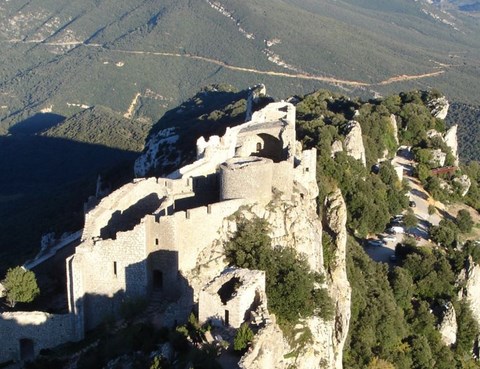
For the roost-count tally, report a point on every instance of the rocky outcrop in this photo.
(394, 125)
(438, 158)
(337, 146)
(439, 107)
(448, 326)
(450, 139)
(328, 337)
(465, 183)
(268, 349)
(470, 277)
(354, 142)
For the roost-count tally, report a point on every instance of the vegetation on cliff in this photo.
(291, 286)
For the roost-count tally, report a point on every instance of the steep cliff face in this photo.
(471, 292)
(448, 326)
(394, 125)
(354, 142)
(294, 223)
(450, 139)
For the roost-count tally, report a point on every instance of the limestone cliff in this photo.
(448, 325)
(394, 125)
(471, 292)
(450, 139)
(294, 223)
(354, 142)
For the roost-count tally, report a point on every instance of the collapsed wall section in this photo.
(24, 334)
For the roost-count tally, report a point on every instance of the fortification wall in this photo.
(37, 330)
(102, 275)
(189, 232)
(248, 178)
(141, 193)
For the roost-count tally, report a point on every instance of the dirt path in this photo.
(305, 76)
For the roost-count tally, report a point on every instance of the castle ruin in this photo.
(148, 235)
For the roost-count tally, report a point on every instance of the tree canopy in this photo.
(20, 286)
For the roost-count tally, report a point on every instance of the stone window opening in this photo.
(27, 351)
(156, 241)
(259, 146)
(229, 290)
(115, 268)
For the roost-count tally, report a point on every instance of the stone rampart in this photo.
(189, 232)
(305, 173)
(24, 334)
(145, 194)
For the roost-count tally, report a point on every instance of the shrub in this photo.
(243, 337)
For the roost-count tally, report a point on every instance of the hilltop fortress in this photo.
(149, 235)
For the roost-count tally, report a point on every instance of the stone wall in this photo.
(241, 290)
(239, 178)
(189, 232)
(33, 331)
(102, 275)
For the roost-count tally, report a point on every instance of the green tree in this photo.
(20, 286)
(410, 219)
(464, 221)
(431, 209)
(243, 337)
(403, 287)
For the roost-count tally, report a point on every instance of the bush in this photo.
(243, 337)
(290, 284)
(464, 221)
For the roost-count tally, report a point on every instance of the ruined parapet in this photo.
(354, 142)
(230, 297)
(450, 139)
(448, 325)
(24, 333)
(246, 178)
(126, 206)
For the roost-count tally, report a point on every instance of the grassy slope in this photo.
(358, 40)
